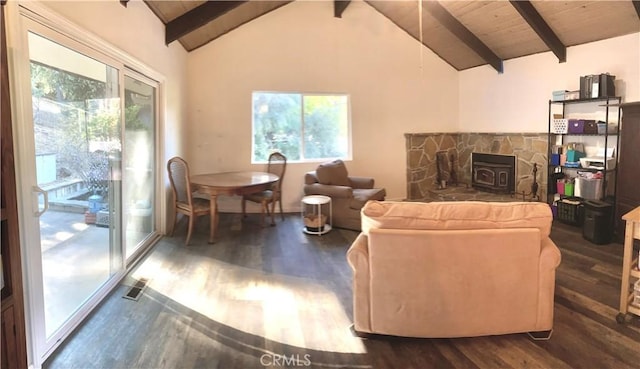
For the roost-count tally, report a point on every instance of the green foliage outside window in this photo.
(302, 127)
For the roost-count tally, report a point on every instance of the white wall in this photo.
(303, 47)
(516, 101)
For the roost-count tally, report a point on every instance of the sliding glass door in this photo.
(77, 156)
(88, 175)
(139, 166)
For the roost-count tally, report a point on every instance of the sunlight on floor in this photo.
(290, 310)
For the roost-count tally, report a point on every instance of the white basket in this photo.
(560, 126)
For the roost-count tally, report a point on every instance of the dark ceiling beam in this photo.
(636, 4)
(538, 24)
(339, 7)
(124, 2)
(459, 30)
(197, 17)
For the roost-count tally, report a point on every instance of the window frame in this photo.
(348, 155)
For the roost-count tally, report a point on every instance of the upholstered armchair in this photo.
(348, 193)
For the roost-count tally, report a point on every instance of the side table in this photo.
(630, 272)
(315, 220)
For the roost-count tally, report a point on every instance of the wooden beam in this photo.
(459, 30)
(538, 24)
(124, 2)
(197, 17)
(636, 4)
(339, 7)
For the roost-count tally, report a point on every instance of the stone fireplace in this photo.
(526, 149)
(493, 172)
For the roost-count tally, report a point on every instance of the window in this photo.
(301, 126)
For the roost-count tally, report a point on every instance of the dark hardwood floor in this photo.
(276, 297)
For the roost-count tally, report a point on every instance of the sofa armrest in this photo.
(361, 182)
(358, 258)
(550, 258)
(310, 178)
(328, 190)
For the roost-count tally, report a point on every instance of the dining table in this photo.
(229, 183)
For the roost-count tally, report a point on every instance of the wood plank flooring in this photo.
(276, 297)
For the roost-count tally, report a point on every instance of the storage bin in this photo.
(558, 95)
(574, 156)
(589, 188)
(570, 212)
(590, 127)
(576, 126)
(602, 128)
(559, 126)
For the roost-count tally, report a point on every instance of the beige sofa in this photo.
(453, 269)
(348, 193)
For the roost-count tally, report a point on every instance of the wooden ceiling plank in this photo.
(463, 33)
(339, 6)
(636, 4)
(538, 24)
(197, 17)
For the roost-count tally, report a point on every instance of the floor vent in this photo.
(135, 292)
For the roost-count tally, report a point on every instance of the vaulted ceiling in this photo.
(465, 34)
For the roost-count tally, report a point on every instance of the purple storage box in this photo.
(576, 126)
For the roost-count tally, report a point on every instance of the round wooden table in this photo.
(230, 183)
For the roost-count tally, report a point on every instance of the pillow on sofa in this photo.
(333, 173)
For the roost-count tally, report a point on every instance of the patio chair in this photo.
(183, 200)
(277, 165)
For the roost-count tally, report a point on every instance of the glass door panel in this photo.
(139, 166)
(77, 135)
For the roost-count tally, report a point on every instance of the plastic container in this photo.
(589, 188)
(560, 186)
(568, 188)
(555, 159)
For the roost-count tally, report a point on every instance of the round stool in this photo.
(317, 220)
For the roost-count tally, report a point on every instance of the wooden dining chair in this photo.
(183, 200)
(277, 165)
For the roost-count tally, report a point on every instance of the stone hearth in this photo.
(529, 148)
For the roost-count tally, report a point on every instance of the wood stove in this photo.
(493, 173)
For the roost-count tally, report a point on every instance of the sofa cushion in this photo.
(333, 173)
(456, 215)
(361, 196)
